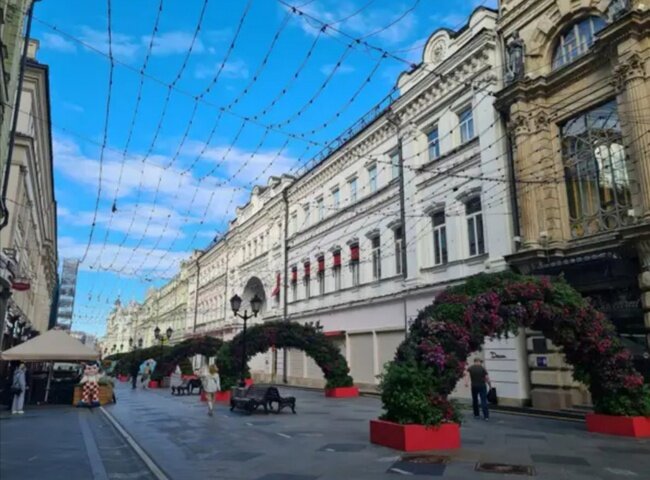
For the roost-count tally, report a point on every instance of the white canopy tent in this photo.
(52, 346)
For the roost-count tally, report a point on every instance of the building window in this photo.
(336, 198)
(372, 179)
(596, 171)
(466, 120)
(321, 275)
(353, 190)
(434, 144)
(320, 208)
(376, 257)
(294, 283)
(336, 270)
(577, 40)
(394, 164)
(440, 256)
(306, 212)
(475, 227)
(294, 225)
(399, 244)
(354, 264)
(307, 280)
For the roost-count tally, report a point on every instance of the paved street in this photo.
(328, 439)
(65, 443)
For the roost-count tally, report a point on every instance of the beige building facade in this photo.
(30, 238)
(577, 104)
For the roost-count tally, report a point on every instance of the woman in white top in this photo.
(211, 384)
(176, 378)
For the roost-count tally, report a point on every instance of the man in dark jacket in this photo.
(135, 369)
(480, 380)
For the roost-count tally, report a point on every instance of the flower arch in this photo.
(279, 334)
(428, 364)
(207, 346)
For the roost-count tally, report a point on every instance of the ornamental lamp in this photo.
(156, 333)
(256, 304)
(169, 332)
(235, 303)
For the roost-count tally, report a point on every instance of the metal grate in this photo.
(427, 459)
(505, 468)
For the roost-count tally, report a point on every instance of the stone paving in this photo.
(328, 439)
(65, 443)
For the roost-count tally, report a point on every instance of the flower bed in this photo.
(637, 427)
(415, 438)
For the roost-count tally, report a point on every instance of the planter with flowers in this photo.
(428, 364)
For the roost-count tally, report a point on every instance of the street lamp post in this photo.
(235, 304)
(161, 338)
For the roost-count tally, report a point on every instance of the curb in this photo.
(148, 461)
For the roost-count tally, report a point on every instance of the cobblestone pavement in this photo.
(328, 439)
(62, 442)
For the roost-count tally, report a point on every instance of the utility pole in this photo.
(393, 119)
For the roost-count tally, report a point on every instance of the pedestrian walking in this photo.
(135, 370)
(145, 375)
(480, 380)
(211, 384)
(18, 387)
(176, 378)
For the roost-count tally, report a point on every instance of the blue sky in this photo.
(175, 184)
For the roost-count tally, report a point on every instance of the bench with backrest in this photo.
(251, 398)
(188, 386)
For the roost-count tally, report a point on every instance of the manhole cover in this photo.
(427, 459)
(505, 468)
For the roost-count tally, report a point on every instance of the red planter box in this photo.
(248, 382)
(342, 392)
(414, 438)
(122, 378)
(222, 396)
(638, 427)
(153, 384)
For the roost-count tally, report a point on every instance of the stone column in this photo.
(630, 79)
(526, 192)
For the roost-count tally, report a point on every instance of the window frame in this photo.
(336, 198)
(399, 244)
(394, 164)
(372, 178)
(440, 245)
(354, 189)
(320, 208)
(475, 228)
(561, 55)
(375, 251)
(437, 143)
(466, 125)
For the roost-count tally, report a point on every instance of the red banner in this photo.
(321, 264)
(337, 259)
(354, 253)
(307, 269)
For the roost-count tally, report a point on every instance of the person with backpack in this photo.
(18, 387)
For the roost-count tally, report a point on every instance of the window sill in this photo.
(450, 153)
(464, 261)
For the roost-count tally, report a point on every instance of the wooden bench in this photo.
(251, 398)
(188, 386)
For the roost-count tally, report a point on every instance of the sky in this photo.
(207, 99)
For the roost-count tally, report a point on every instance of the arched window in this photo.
(577, 40)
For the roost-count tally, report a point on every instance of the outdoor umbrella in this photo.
(52, 346)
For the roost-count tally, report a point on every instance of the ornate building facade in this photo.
(577, 104)
(365, 238)
(30, 237)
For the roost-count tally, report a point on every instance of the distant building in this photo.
(67, 292)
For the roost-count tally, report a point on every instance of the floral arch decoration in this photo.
(428, 364)
(183, 351)
(280, 334)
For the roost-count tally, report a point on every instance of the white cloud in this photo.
(73, 107)
(123, 46)
(173, 43)
(367, 22)
(145, 261)
(236, 69)
(53, 41)
(342, 69)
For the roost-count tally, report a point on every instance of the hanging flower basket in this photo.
(413, 437)
(637, 427)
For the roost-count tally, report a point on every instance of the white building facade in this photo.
(370, 235)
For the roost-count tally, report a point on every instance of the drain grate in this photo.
(427, 459)
(505, 468)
